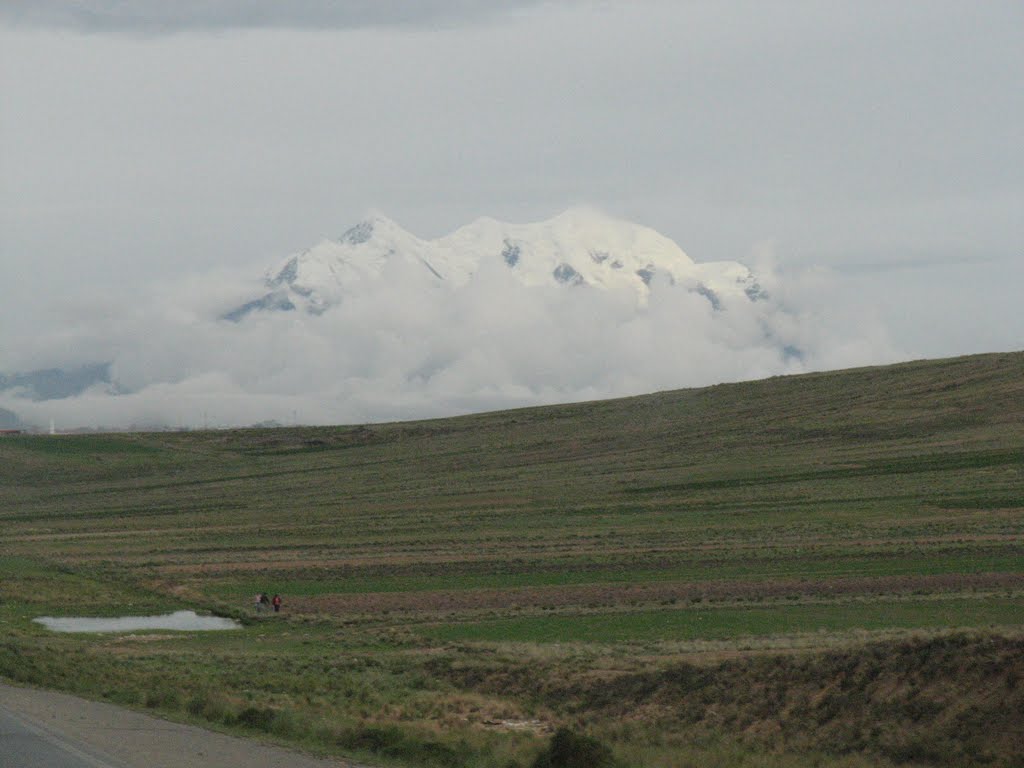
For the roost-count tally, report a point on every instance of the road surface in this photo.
(44, 729)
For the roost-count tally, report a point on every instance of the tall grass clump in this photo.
(575, 750)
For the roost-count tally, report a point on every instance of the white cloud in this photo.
(156, 17)
(407, 347)
(853, 135)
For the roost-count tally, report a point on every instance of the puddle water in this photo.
(186, 621)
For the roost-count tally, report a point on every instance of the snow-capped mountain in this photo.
(381, 325)
(580, 247)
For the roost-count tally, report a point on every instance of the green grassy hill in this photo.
(431, 570)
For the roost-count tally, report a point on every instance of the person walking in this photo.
(276, 602)
(257, 602)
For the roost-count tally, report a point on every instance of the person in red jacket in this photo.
(276, 602)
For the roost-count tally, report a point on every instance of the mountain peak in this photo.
(577, 216)
(373, 224)
(582, 246)
(585, 215)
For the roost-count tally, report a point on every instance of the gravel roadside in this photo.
(138, 740)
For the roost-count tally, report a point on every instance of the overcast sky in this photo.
(145, 143)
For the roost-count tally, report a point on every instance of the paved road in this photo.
(44, 729)
(24, 744)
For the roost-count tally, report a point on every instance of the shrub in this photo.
(197, 704)
(162, 698)
(391, 741)
(573, 750)
(371, 738)
(260, 718)
(210, 707)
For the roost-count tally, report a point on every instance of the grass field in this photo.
(456, 589)
(741, 622)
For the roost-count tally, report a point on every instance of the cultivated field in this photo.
(816, 570)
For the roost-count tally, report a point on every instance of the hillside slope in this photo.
(829, 562)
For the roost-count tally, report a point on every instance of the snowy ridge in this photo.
(580, 247)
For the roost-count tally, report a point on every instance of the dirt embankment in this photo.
(953, 701)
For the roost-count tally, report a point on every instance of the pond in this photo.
(183, 621)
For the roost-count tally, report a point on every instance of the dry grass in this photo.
(814, 496)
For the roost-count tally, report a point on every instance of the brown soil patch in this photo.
(532, 726)
(303, 560)
(611, 595)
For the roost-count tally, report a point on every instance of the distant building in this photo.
(10, 431)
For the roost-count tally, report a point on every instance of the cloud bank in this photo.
(406, 346)
(155, 17)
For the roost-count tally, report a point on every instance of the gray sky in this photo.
(146, 142)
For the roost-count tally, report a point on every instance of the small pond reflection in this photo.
(185, 621)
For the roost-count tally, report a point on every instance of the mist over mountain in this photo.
(380, 324)
(9, 419)
(56, 383)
